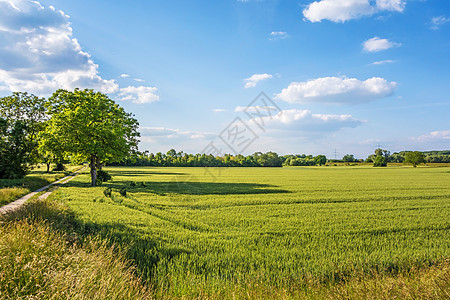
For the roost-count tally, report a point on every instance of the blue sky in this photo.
(342, 74)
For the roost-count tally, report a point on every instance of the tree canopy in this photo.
(87, 125)
(22, 116)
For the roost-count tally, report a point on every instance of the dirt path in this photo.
(19, 202)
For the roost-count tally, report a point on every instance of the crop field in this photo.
(191, 231)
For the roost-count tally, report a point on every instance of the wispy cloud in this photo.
(376, 44)
(217, 110)
(278, 35)
(253, 80)
(338, 90)
(124, 75)
(139, 94)
(138, 80)
(382, 62)
(306, 121)
(436, 22)
(345, 10)
(434, 136)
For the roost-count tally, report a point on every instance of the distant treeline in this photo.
(174, 158)
(399, 157)
(180, 159)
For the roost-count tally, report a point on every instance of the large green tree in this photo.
(22, 117)
(415, 158)
(88, 125)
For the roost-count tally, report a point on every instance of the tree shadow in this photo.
(188, 187)
(141, 173)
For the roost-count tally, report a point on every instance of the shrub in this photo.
(380, 161)
(123, 192)
(107, 192)
(102, 176)
(132, 183)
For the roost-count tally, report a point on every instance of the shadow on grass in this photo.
(143, 250)
(141, 173)
(188, 188)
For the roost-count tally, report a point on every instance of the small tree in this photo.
(90, 126)
(415, 158)
(348, 158)
(320, 160)
(21, 119)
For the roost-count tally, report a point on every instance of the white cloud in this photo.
(39, 53)
(124, 75)
(276, 35)
(344, 10)
(434, 136)
(376, 44)
(253, 80)
(338, 90)
(438, 21)
(255, 108)
(164, 132)
(138, 80)
(307, 122)
(382, 62)
(217, 110)
(139, 94)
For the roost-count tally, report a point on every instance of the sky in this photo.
(330, 77)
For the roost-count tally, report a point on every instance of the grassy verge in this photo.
(42, 258)
(12, 189)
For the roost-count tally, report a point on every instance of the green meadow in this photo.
(208, 231)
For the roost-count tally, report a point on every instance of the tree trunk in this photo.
(93, 166)
(99, 165)
(48, 167)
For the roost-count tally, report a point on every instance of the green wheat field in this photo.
(191, 231)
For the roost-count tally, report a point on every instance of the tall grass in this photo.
(40, 260)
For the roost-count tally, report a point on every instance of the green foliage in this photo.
(415, 158)
(21, 118)
(123, 191)
(132, 183)
(91, 126)
(107, 192)
(270, 227)
(320, 160)
(103, 176)
(349, 158)
(380, 161)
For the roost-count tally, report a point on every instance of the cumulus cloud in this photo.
(276, 35)
(345, 10)
(434, 136)
(339, 90)
(253, 80)
(139, 94)
(164, 132)
(376, 44)
(308, 122)
(382, 62)
(438, 21)
(39, 53)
